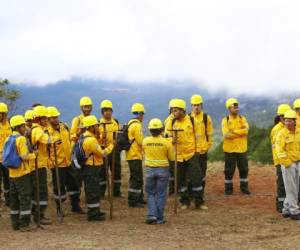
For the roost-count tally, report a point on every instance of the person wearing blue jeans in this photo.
(158, 152)
(157, 180)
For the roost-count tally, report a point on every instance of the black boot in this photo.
(76, 208)
(244, 188)
(228, 188)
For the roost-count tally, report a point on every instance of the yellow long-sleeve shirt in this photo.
(273, 135)
(23, 152)
(135, 132)
(187, 139)
(235, 133)
(111, 127)
(77, 123)
(42, 140)
(5, 132)
(158, 151)
(93, 150)
(203, 143)
(287, 146)
(63, 150)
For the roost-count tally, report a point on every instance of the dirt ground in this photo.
(235, 222)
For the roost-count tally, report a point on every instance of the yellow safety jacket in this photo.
(206, 132)
(111, 126)
(23, 152)
(93, 150)
(77, 123)
(135, 132)
(235, 133)
(158, 151)
(187, 139)
(42, 141)
(63, 150)
(166, 122)
(287, 146)
(273, 135)
(5, 131)
(298, 122)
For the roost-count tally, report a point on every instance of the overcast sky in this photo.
(243, 46)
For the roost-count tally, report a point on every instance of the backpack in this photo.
(78, 156)
(11, 158)
(123, 142)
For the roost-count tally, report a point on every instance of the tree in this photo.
(9, 95)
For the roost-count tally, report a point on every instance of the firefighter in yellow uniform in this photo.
(86, 106)
(40, 141)
(279, 124)
(28, 119)
(158, 152)
(287, 148)
(5, 131)
(134, 156)
(205, 141)
(109, 127)
(297, 109)
(58, 131)
(91, 170)
(187, 157)
(235, 133)
(20, 180)
(168, 134)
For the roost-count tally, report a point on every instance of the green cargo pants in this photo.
(20, 201)
(135, 191)
(91, 178)
(190, 171)
(4, 177)
(280, 189)
(68, 185)
(231, 161)
(117, 177)
(43, 191)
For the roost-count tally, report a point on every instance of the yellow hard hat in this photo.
(171, 102)
(155, 124)
(29, 115)
(17, 120)
(40, 111)
(282, 108)
(89, 121)
(52, 112)
(84, 101)
(230, 102)
(106, 104)
(178, 103)
(196, 99)
(290, 114)
(3, 107)
(137, 108)
(297, 103)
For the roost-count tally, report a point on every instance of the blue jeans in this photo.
(157, 180)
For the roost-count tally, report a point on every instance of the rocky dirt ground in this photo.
(235, 222)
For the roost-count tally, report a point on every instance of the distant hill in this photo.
(66, 94)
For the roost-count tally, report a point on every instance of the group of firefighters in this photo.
(175, 158)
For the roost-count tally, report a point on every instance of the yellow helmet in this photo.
(196, 99)
(17, 120)
(106, 104)
(230, 102)
(40, 111)
(155, 124)
(171, 102)
(290, 114)
(137, 108)
(282, 108)
(29, 115)
(52, 112)
(297, 103)
(178, 103)
(89, 121)
(3, 107)
(84, 101)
